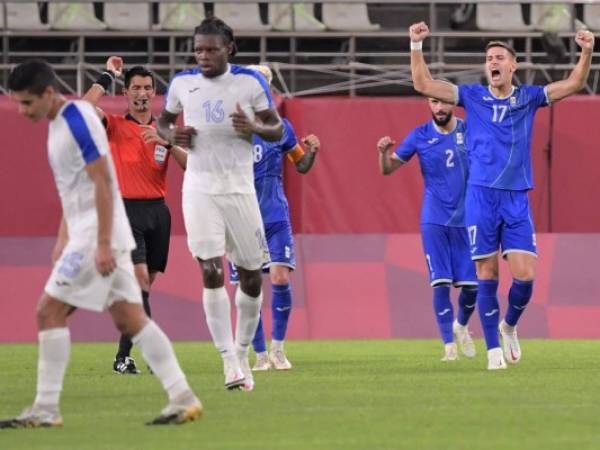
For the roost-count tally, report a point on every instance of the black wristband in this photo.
(105, 80)
(168, 146)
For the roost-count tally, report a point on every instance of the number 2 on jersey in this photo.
(450, 158)
(499, 113)
(214, 113)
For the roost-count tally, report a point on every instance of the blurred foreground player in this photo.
(93, 269)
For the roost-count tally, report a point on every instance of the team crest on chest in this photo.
(460, 139)
(160, 154)
(513, 101)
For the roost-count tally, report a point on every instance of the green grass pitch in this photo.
(393, 394)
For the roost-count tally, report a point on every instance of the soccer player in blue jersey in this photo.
(440, 146)
(500, 120)
(268, 166)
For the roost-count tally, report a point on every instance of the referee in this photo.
(141, 159)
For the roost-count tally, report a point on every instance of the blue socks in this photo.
(489, 311)
(444, 314)
(466, 304)
(518, 297)
(281, 306)
(258, 343)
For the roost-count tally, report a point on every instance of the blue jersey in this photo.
(444, 165)
(268, 167)
(499, 134)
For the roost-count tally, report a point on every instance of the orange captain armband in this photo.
(296, 154)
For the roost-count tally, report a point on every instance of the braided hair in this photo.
(214, 25)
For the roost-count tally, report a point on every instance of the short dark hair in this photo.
(33, 76)
(139, 71)
(214, 25)
(504, 45)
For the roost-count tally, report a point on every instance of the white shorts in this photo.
(76, 281)
(225, 224)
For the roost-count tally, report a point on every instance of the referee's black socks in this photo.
(125, 343)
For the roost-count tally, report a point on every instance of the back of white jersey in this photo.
(76, 137)
(220, 160)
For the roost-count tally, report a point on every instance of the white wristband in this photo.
(417, 46)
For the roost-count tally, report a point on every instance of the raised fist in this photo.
(418, 31)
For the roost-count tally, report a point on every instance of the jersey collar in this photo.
(443, 132)
(130, 117)
(512, 91)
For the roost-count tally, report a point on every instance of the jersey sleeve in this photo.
(463, 92)
(172, 101)
(261, 98)
(407, 148)
(86, 129)
(538, 95)
(289, 140)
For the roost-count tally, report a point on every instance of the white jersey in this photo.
(76, 137)
(220, 160)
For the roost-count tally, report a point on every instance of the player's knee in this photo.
(250, 283)
(524, 274)
(212, 273)
(279, 275)
(486, 271)
(51, 314)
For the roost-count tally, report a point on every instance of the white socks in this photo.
(218, 318)
(276, 345)
(158, 353)
(248, 309)
(53, 357)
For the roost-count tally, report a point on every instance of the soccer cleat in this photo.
(450, 352)
(496, 359)
(36, 416)
(464, 339)
(234, 377)
(124, 366)
(510, 341)
(262, 362)
(180, 411)
(248, 377)
(279, 360)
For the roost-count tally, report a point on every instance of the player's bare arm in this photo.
(61, 240)
(99, 174)
(387, 164)
(267, 124)
(150, 136)
(423, 82)
(114, 69)
(312, 146)
(578, 76)
(174, 135)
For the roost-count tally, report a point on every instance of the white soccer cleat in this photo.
(510, 341)
(496, 359)
(186, 408)
(279, 360)
(248, 384)
(450, 352)
(234, 377)
(464, 339)
(36, 416)
(262, 362)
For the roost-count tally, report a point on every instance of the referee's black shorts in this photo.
(150, 222)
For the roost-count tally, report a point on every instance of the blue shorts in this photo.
(498, 218)
(447, 255)
(281, 248)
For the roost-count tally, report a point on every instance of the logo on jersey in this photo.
(488, 99)
(460, 139)
(70, 264)
(513, 101)
(287, 251)
(160, 154)
(432, 140)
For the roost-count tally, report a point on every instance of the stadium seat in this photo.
(500, 17)
(347, 17)
(551, 17)
(180, 16)
(22, 16)
(591, 15)
(280, 17)
(128, 16)
(73, 16)
(240, 16)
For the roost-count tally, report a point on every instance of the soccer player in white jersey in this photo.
(92, 263)
(223, 106)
